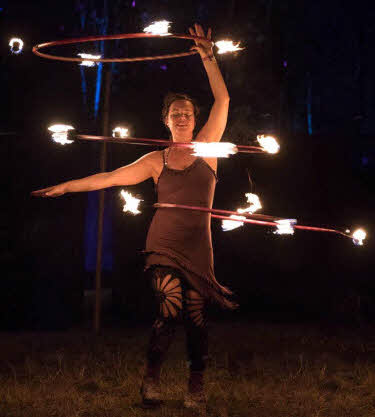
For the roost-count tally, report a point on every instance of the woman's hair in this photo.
(171, 97)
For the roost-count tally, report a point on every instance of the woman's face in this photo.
(181, 120)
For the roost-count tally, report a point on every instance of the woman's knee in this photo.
(195, 308)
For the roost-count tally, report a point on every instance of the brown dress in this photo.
(182, 238)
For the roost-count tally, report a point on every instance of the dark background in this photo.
(302, 59)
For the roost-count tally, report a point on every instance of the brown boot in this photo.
(195, 398)
(150, 392)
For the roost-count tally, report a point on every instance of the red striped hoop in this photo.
(36, 48)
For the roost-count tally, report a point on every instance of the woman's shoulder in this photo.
(156, 160)
(155, 156)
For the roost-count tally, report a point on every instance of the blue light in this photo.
(98, 88)
(365, 160)
(83, 85)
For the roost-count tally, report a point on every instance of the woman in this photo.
(179, 257)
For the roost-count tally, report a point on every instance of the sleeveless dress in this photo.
(181, 238)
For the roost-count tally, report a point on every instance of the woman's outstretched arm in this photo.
(131, 174)
(214, 128)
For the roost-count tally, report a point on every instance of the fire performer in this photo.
(179, 256)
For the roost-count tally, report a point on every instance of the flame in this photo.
(16, 45)
(60, 133)
(131, 203)
(255, 205)
(285, 226)
(89, 56)
(254, 202)
(359, 236)
(232, 224)
(268, 143)
(227, 46)
(120, 132)
(214, 149)
(158, 28)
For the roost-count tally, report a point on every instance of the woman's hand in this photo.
(54, 191)
(204, 48)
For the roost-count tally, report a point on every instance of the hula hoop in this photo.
(160, 142)
(114, 37)
(218, 211)
(258, 219)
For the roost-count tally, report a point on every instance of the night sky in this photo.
(306, 75)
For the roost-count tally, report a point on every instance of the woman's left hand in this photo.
(204, 48)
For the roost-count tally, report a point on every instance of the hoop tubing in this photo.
(114, 37)
(216, 211)
(217, 214)
(159, 142)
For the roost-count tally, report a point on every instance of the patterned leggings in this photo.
(175, 299)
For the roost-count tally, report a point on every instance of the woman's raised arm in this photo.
(131, 174)
(214, 128)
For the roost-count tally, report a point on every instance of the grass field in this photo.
(255, 369)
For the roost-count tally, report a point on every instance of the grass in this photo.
(255, 369)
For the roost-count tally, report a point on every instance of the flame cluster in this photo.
(254, 206)
(16, 45)
(87, 57)
(120, 132)
(60, 133)
(160, 28)
(227, 46)
(214, 149)
(131, 203)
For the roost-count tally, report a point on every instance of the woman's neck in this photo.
(182, 138)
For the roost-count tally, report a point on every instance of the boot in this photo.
(150, 392)
(195, 398)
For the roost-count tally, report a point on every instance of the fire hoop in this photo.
(115, 37)
(158, 142)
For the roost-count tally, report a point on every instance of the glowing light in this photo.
(285, 226)
(214, 149)
(227, 46)
(120, 132)
(131, 203)
(16, 45)
(255, 205)
(60, 133)
(359, 236)
(227, 225)
(158, 28)
(254, 202)
(88, 57)
(268, 143)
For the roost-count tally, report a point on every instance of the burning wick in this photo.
(89, 56)
(285, 227)
(227, 46)
(254, 202)
(60, 133)
(120, 132)
(255, 205)
(16, 46)
(268, 143)
(131, 203)
(358, 237)
(158, 28)
(214, 149)
(227, 225)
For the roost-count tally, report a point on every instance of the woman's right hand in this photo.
(54, 191)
